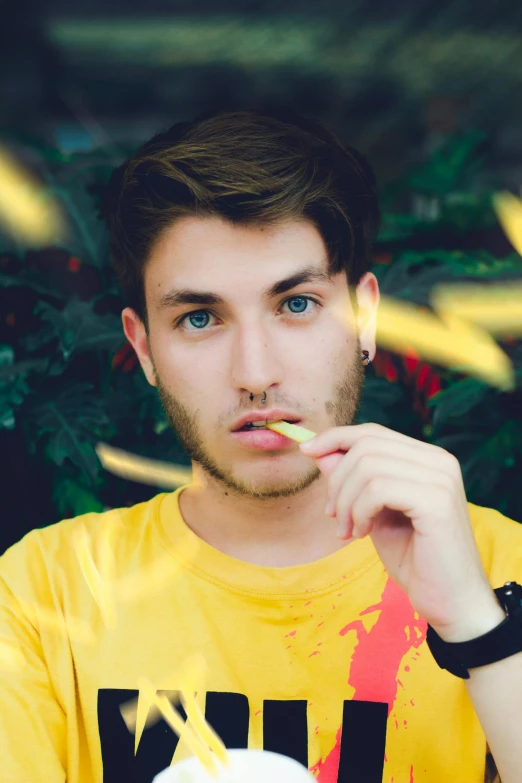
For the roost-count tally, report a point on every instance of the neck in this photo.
(275, 532)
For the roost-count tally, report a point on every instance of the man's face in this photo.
(206, 359)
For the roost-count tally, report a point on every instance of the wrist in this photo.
(480, 620)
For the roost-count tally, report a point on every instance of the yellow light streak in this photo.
(12, 658)
(198, 735)
(509, 212)
(40, 617)
(147, 471)
(26, 211)
(203, 729)
(132, 587)
(496, 308)
(183, 729)
(447, 340)
(190, 676)
(100, 587)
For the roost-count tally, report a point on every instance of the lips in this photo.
(276, 414)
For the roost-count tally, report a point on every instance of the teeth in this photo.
(259, 425)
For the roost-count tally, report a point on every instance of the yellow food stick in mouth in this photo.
(292, 431)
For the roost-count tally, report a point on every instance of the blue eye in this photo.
(197, 315)
(296, 299)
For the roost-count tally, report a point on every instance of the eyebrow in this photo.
(184, 296)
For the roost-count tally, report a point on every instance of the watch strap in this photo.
(501, 642)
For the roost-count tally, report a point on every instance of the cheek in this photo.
(194, 382)
(334, 349)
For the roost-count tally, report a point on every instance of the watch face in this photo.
(510, 596)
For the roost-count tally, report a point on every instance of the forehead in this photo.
(209, 252)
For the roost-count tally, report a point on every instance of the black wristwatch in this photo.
(502, 642)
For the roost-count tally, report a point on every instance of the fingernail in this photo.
(340, 531)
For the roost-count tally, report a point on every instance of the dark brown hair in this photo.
(250, 168)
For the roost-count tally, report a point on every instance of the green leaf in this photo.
(26, 278)
(396, 226)
(484, 469)
(87, 235)
(456, 400)
(13, 388)
(72, 186)
(461, 444)
(71, 424)
(450, 167)
(135, 404)
(77, 328)
(381, 401)
(6, 355)
(23, 368)
(72, 499)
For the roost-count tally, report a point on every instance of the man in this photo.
(312, 621)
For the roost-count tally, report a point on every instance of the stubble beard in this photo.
(343, 408)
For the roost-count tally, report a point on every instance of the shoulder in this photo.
(53, 548)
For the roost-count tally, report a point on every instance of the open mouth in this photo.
(261, 425)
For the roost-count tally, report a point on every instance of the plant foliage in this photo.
(69, 379)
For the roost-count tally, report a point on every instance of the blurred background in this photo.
(429, 91)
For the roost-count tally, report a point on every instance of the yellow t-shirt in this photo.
(325, 662)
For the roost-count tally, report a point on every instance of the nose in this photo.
(256, 366)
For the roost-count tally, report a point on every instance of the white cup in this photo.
(246, 766)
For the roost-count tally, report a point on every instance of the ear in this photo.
(368, 297)
(136, 334)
